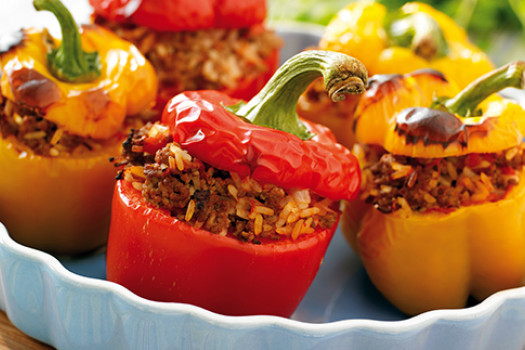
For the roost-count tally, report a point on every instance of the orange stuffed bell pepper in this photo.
(63, 113)
(198, 44)
(442, 207)
(416, 36)
(230, 205)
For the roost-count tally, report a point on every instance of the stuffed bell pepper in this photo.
(63, 114)
(413, 37)
(196, 45)
(231, 205)
(441, 212)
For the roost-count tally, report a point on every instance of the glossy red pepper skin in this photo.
(168, 15)
(203, 127)
(160, 258)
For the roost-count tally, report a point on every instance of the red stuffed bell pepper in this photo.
(218, 208)
(197, 45)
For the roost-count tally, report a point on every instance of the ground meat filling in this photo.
(44, 137)
(203, 59)
(220, 201)
(29, 127)
(394, 183)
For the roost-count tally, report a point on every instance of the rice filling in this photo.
(398, 183)
(220, 201)
(203, 59)
(45, 138)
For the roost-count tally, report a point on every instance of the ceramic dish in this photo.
(68, 304)
(341, 311)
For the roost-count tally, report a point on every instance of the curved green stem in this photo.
(69, 62)
(275, 105)
(417, 31)
(468, 99)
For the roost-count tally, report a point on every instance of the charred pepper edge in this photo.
(11, 40)
(443, 122)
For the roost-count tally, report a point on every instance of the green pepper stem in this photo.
(417, 31)
(275, 105)
(467, 100)
(69, 62)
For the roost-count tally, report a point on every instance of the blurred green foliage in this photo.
(319, 12)
(482, 18)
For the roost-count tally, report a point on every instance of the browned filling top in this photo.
(219, 201)
(395, 183)
(203, 59)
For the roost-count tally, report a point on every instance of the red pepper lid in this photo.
(168, 15)
(264, 137)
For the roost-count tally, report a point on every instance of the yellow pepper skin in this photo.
(426, 260)
(358, 30)
(127, 84)
(374, 118)
(412, 89)
(436, 260)
(376, 114)
(60, 201)
(60, 205)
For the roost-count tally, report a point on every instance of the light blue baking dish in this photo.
(70, 311)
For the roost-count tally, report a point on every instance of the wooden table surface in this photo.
(12, 338)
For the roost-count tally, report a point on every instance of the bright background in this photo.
(497, 26)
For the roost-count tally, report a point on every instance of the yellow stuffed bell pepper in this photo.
(416, 36)
(441, 215)
(62, 116)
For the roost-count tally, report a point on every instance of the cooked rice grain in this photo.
(395, 183)
(220, 201)
(204, 59)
